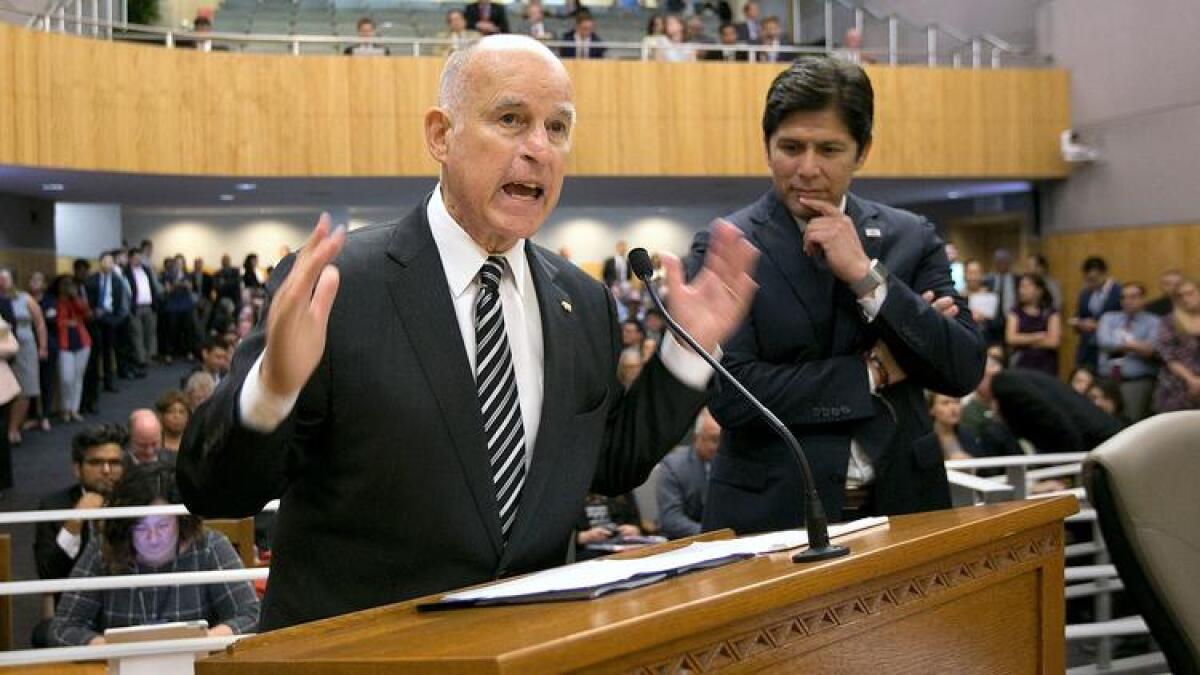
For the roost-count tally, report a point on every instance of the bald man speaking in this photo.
(433, 409)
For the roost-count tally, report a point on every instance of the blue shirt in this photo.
(1110, 336)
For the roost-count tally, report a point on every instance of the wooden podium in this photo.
(970, 590)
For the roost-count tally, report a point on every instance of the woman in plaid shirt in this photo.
(154, 544)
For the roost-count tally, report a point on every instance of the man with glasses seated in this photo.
(98, 460)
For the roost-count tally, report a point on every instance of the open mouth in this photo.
(527, 191)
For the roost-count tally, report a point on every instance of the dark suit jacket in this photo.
(497, 16)
(382, 466)
(682, 487)
(719, 54)
(596, 48)
(52, 561)
(800, 352)
(121, 295)
(743, 32)
(1087, 352)
(610, 271)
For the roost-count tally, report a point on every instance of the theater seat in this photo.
(1142, 483)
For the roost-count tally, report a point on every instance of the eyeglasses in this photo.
(96, 463)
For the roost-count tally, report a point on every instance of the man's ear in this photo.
(862, 156)
(437, 131)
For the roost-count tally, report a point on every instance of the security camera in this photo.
(1073, 151)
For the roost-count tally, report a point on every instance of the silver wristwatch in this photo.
(876, 276)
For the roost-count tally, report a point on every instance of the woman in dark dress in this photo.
(1033, 329)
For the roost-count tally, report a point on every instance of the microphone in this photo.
(815, 522)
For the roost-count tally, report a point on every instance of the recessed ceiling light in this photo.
(246, 187)
(226, 198)
(53, 187)
(954, 194)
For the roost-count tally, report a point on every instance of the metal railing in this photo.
(84, 17)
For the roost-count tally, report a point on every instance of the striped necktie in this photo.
(496, 381)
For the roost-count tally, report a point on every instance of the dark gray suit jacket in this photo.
(682, 486)
(800, 352)
(382, 466)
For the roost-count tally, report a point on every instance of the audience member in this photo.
(851, 49)
(978, 406)
(694, 31)
(983, 303)
(727, 41)
(616, 267)
(535, 22)
(108, 295)
(250, 276)
(656, 36)
(957, 273)
(675, 50)
(198, 389)
(204, 288)
(1037, 264)
(202, 26)
(153, 544)
(47, 301)
(1100, 294)
(229, 282)
(144, 304)
(605, 520)
(954, 443)
(774, 42)
(1106, 395)
(586, 43)
(9, 389)
(1034, 328)
(173, 414)
(179, 311)
(365, 27)
(1179, 348)
(214, 359)
(145, 439)
(98, 462)
(1004, 284)
(74, 344)
(749, 31)
(629, 366)
(456, 33)
(1127, 340)
(1168, 282)
(486, 17)
(1081, 380)
(683, 480)
(29, 327)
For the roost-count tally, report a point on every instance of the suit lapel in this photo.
(422, 300)
(558, 340)
(778, 236)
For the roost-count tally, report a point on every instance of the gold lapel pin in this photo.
(566, 305)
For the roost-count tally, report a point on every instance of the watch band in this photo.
(876, 276)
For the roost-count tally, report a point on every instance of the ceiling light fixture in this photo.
(53, 187)
(246, 187)
(226, 198)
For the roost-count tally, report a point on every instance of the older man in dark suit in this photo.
(855, 317)
(453, 442)
(683, 480)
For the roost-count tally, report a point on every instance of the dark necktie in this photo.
(499, 403)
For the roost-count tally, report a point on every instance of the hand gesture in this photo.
(299, 316)
(832, 233)
(713, 305)
(944, 304)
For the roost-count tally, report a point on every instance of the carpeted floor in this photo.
(42, 464)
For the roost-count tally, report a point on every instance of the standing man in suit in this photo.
(750, 31)
(146, 292)
(453, 442)
(844, 334)
(616, 267)
(1101, 293)
(486, 18)
(1004, 284)
(683, 480)
(586, 44)
(108, 295)
(773, 39)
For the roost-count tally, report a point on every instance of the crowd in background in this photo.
(77, 334)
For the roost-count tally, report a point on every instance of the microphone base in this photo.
(815, 554)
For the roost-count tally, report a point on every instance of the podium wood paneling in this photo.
(1132, 253)
(78, 103)
(967, 590)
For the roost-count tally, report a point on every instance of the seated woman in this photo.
(173, 413)
(946, 412)
(154, 544)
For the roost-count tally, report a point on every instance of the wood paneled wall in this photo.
(1132, 253)
(77, 103)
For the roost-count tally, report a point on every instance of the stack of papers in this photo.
(597, 577)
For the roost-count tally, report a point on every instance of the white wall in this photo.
(1135, 95)
(211, 234)
(84, 230)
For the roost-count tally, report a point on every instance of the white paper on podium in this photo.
(605, 571)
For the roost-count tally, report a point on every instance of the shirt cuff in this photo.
(69, 543)
(686, 365)
(261, 410)
(871, 304)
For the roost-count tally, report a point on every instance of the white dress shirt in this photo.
(142, 281)
(859, 470)
(461, 260)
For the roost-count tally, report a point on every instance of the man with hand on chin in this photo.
(453, 440)
(855, 316)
